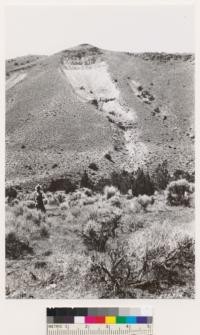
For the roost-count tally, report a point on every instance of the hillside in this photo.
(86, 105)
(110, 136)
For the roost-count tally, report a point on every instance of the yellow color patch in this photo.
(110, 319)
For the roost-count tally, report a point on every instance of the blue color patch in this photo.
(142, 319)
(131, 319)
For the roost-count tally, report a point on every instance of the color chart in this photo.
(99, 321)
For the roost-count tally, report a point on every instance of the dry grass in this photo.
(23, 227)
(88, 235)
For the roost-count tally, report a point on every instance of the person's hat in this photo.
(37, 187)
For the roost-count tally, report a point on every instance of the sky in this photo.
(46, 29)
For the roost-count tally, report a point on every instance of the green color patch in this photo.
(121, 319)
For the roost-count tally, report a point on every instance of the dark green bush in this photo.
(17, 247)
(161, 176)
(93, 166)
(11, 193)
(181, 174)
(122, 180)
(142, 183)
(86, 182)
(61, 184)
(94, 102)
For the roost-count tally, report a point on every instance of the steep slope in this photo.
(93, 83)
(80, 105)
(48, 129)
(161, 90)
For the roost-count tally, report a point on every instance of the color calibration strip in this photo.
(108, 316)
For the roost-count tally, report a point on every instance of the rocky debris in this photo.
(165, 57)
(190, 135)
(108, 156)
(93, 166)
(140, 92)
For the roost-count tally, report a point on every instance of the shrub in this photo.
(112, 273)
(129, 194)
(180, 174)
(161, 176)
(61, 184)
(30, 196)
(11, 193)
(95, 237)
(85, 181)
(53, 200)
(109, 157)
(110, 191)
(166, 267)
(142, 183)
(102, 225)
(23, 225)
(14, 202)
(40, 265)
(130, 223)
(88, 192)
(152, 260)
(18, 210)
(89, 201)
(64, 206)
(34, 216)
(122, 180)
(179, 193)
(133, 206)
(145, 200)
(76, 211)
(74, 198)
(94, 102)
(44, 232)
(93, 166)
(116, 201)
(29, 204)
(60, 197)
(17, 246)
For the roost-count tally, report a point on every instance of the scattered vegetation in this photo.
(179, 193)
(23, 226)
(94, 102)
(124, 237)
(145, 200)
(133, 270)
(110, 191)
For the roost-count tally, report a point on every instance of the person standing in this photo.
(39, 196)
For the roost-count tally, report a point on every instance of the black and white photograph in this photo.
(99, 150)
